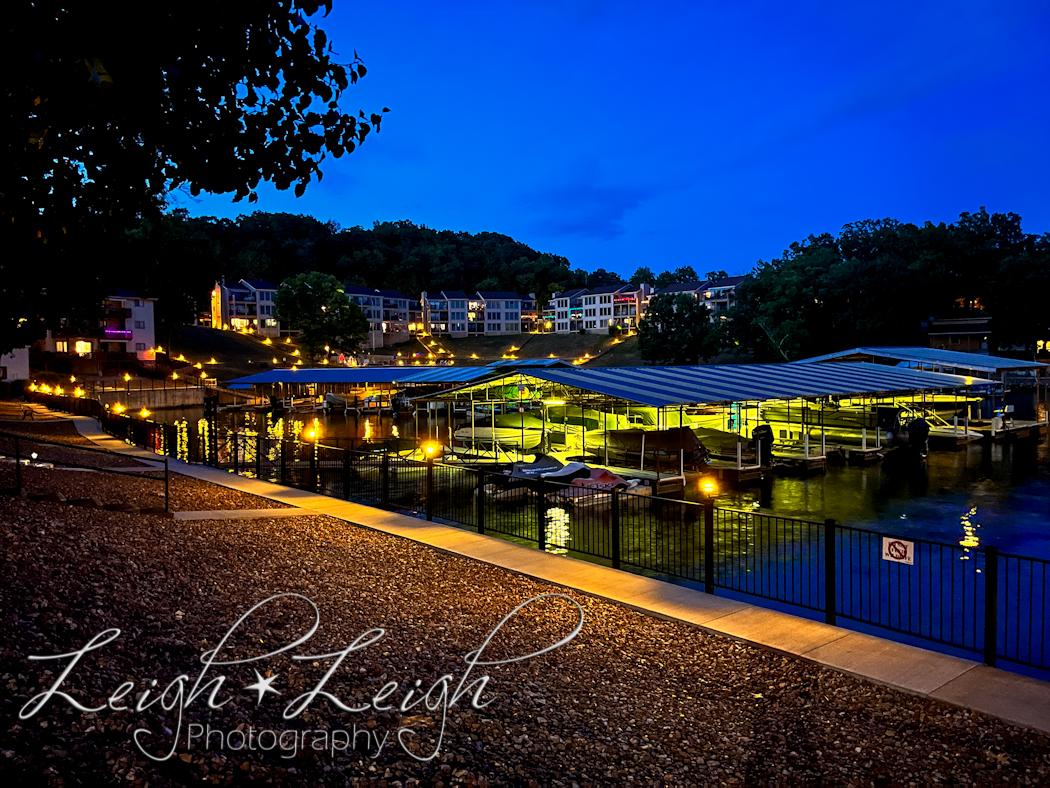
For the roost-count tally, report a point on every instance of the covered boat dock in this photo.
(597, 414)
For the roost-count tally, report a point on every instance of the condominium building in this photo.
(245, 306)
(124, 325)
(455, 314)
(370, 302)
(402, 317)
(502, 312)
(717, 295)
(568, 311)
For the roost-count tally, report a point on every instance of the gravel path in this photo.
(631, 700)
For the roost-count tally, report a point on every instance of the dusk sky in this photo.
(621, 134)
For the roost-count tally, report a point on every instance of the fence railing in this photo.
(972, 599)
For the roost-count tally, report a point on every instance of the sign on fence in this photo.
(898, 550)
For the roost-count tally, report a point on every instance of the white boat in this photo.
(505, 437)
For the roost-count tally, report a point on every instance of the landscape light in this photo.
(58, 391)
(118, 408)
(144, 413)
(78, 392)
(267, 341)
(204, 374)
(708, 486)
(430, 449)
(174, 375)
(275, 359)
(212, 360)
(127, 376)
(72, 378)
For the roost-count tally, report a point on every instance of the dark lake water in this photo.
(1000, 490)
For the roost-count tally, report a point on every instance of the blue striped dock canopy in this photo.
(661, 386)
(933, 359)
(446, 375)
(327, 375)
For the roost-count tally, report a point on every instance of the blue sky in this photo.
(621, 134)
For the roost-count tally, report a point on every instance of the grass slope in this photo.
(237, 354)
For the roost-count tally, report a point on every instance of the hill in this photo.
(237, 354)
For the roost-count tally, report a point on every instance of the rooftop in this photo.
(935, 358)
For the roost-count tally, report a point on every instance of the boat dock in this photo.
(1012, 429)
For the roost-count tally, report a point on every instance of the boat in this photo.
(506, 437)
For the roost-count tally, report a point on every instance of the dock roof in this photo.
(327, 375)
(661, 386)
(928, 357)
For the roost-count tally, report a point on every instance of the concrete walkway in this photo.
(1016, 699)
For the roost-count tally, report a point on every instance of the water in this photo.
(998, 492)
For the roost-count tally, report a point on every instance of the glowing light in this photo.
(296, 353)
(551, 356)
(33, 386)
(368, 431)
(287, 340)
(267, 341)
(204, 374)
(473, 355)
(553, 402)
(327, 348)
(118, 408)
(708, 486)
(78, 392)
(127, 377)
(399, 354)
(72, 378)
(144, 413)
(324, 360)
(274, 359)
(180, 357)
(969, 381)
(212, 360)
(159, 349)
(430, 449)
(59, 391)
(394, 433)
(198, 365)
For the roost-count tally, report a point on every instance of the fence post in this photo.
(284, 461)
(258, 454)
(346, 474)
(166, 486)
(829, 571)
(991, 604)
(313, 466)
(236, 459)
(480, 502)
(709, 545)
(384, 480)
(430, 488)
(541, 512)
(18, 467)
(615, 528)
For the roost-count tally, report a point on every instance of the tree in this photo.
(642, 274)
(101, 122)
(601, 278)
(315, 304)
(710, 276)
(683, 273)
(676, 330)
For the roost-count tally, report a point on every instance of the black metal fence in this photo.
(972, 599)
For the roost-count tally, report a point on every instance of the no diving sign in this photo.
(898, 550)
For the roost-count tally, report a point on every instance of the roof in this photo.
(327, 375)
(454, 294)
(259, 284)
(661, 386)
(682, 287)
(122, 292)
(497, 294)
(604, 289)
(447, 375)
(571, 293)
(395, 294)
(728, 281)
(362, 291)
(942, 359)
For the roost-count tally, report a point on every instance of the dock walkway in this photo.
(964, 683)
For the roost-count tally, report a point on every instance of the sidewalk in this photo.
(1013, 698)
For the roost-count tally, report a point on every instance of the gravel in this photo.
(631, 700)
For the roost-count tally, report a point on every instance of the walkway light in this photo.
(709, 486)
(430, 449)
(127, 376)
(144, 413)
(204, 374)
(78, 392)
(118, 408)
(275, 359)
(72, 378)
(267, 341)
